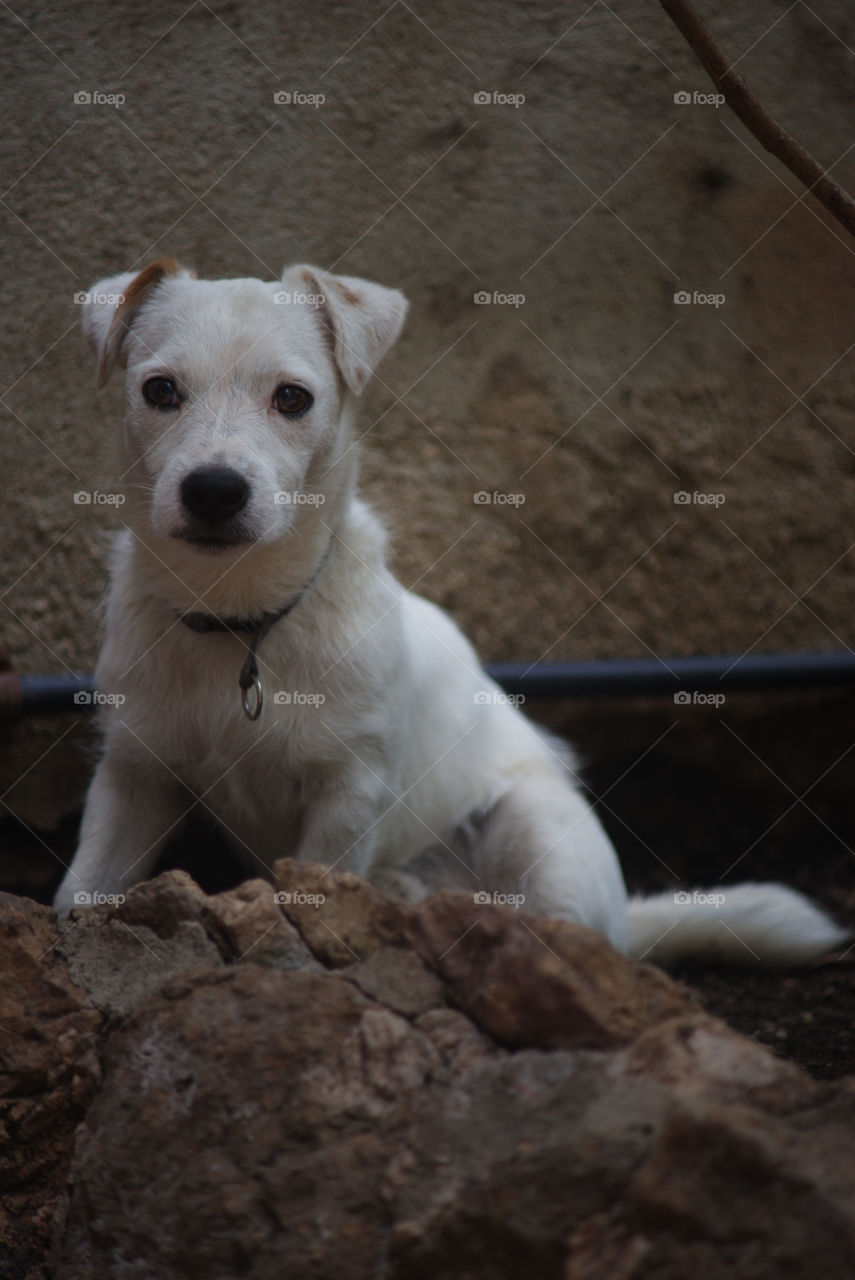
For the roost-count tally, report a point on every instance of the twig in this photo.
(766, 130)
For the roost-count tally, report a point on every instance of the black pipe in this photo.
(51, 695)
(610, 677)
(636, 677)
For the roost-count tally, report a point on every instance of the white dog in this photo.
(250, 572)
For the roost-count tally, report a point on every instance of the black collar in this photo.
(205, 622)
(256, 628)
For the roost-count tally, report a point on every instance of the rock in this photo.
(250, 925)
(523, 980)
(479, 1093)
(724, 1192)
(123, 954)
(724, 1176)
(399, 980)
(695, 1054)
(532, 981)
(49, 1072)
(163, 904)
(339, 916)
(283, 1091)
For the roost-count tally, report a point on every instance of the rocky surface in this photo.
(49, 1072)
(263, 1084)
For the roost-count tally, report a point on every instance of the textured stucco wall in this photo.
(596, 399)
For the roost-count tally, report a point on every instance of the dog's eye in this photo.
(161, 392)
(292, 400)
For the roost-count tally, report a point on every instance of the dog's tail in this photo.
(758, 925)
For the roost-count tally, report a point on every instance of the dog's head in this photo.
(238, 391)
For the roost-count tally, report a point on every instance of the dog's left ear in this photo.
(364, 319)
(111, 306)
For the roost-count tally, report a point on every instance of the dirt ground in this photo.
(691, 796)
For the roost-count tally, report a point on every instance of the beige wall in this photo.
(400, 176)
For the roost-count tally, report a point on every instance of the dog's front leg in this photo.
(126, 820)
(341, 826)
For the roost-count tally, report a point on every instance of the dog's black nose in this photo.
(213, 494)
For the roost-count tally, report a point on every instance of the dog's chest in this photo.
(190, 718)
(254, 778)
(227, 751)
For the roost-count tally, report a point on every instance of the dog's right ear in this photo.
(110, 308)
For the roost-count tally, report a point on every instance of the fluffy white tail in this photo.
(758, 925)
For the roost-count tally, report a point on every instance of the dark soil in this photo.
(807, 1016)
(691, 797)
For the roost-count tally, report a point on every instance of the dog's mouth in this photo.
(210, 541)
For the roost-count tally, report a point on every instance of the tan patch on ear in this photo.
(314, 286)
(348, 294)
(138, 290)
(145, 282)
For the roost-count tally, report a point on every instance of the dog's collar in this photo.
(256, 628)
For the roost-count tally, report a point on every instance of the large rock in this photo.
(49, 1071)
(365, 1088)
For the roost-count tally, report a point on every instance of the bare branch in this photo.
(766, 130)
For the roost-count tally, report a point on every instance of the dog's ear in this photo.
(364, 319)
(111, 306)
